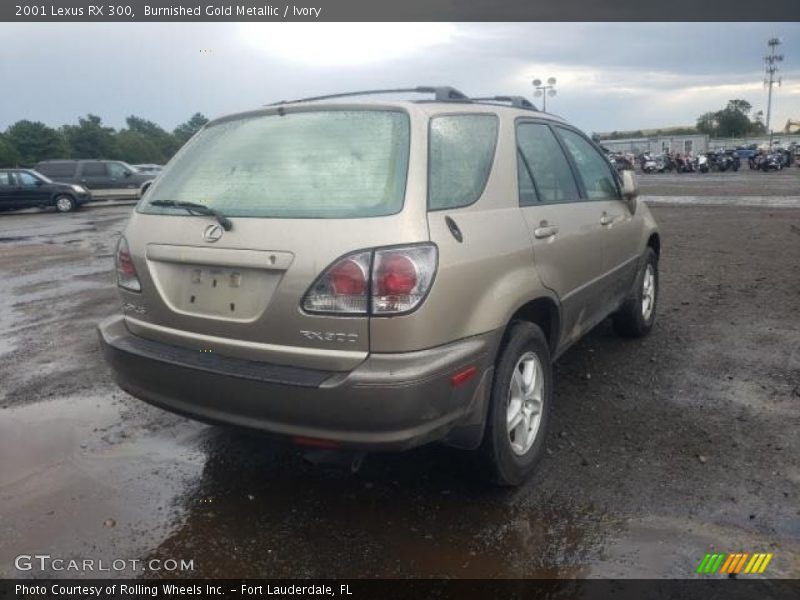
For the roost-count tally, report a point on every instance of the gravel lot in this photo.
(660, 449)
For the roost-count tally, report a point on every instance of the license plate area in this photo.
(230, 293)
(216, 291)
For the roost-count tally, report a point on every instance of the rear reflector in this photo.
(314, 442)
(463, 376)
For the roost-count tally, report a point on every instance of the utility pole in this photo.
(544, 90)
(771, 61)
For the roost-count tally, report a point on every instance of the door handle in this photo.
(544, 232)
(606, 220)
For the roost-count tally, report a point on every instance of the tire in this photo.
(638, 314)
(507, 457)
(65, 204)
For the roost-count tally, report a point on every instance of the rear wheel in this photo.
(520, 407)
(65, 203)
(636, 316)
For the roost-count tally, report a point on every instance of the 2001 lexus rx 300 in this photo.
(378, 276)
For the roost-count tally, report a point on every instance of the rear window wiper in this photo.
(195, 208)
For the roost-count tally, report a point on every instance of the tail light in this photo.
(126, 272)
(342, 288)
(401, 278)
(382, 282)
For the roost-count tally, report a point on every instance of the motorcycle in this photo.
(772, 162)
(649, 164)
(701, 163)
(684, 164)
(735, 161)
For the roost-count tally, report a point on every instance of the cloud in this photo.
(610, 75)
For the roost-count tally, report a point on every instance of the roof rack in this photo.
(441, 94)
(515, 101)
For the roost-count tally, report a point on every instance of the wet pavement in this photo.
(660, 450)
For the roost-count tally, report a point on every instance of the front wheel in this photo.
(636, 316)
(65, 204)
(519, 408)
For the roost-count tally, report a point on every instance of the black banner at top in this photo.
(396, 10)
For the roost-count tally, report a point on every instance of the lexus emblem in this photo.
(212, 233)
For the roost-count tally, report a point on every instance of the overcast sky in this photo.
(610, 76)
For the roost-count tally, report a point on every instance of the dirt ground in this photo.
(660, 449)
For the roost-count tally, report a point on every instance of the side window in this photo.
(6, 180)
(94, 169)
(461, 154)
(116, 169)
(26, 179)
(594, 170)
(541, 161)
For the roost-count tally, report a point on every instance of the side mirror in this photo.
(630, 189)
(127, 173)
(38, 182)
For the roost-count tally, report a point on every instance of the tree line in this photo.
(732, 121)
(26, 142)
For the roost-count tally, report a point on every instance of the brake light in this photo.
(126, 271)
(401, 278)
(348, 278)
(342, 288)
(384, 281)
(395, 275)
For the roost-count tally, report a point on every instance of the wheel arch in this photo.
(544, 312)
(654, 242)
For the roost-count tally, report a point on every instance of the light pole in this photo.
(771, 61)
(544, 90)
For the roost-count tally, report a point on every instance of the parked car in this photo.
(25, 188)
(106, 179)
(379, 276)
(149, 168)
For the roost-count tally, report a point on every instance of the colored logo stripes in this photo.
(734, 563)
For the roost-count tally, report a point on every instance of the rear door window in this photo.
(94, 169)
(594, 170)
(26, 179)
(314, 164)
(460, 160)
(6, 180)
(544, 174)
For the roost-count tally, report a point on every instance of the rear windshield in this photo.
(317, 164)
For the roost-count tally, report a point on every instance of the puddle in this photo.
(414, 514)
(71, 464)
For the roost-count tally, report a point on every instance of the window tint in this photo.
(26, 178)
(315, 164)
(62, 169)
(117, 169)
(594, 170)
(461, 153)
(6, 179)
(542, 154)
(94, 169)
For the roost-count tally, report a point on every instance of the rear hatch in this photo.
(301, 188)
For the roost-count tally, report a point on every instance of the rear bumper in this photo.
(389, 402)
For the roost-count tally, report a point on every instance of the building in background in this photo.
(678, 144)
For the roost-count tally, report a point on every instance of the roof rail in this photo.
(515, 101)
(442, 93)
